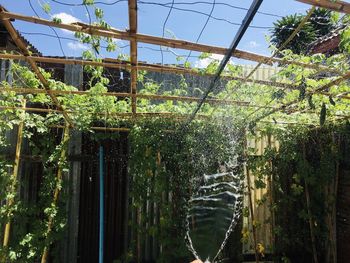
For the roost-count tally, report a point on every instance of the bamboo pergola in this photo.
(134, 37)
(134, 65)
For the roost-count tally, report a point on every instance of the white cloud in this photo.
(66, 19)
(203, 63)
(76, 46)
(253, 44)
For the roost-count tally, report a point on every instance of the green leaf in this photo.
(310, 102)
(323, 114)
(57, 20)
(331, 101)
(302, 90)
(88, 2)
(251, 127)
(47, 8)
(98, 13)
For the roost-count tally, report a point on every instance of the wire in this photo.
(204, 14)
(164, 24)
(205, 25)
(172, 7)
(88, 13)
(97, 2)
(224, 4)
(59, 40)
(169, 3)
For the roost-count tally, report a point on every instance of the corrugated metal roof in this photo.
(329, 37)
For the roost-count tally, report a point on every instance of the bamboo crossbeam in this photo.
(338, 6)
(21, 45)
(132, 4)
(173, 43)
(117, 114)
(125, 115)
(139, 95)
(118, 64)
(57, 191)
(10, 201)
(118, 129)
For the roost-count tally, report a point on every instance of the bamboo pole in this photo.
(335, 5)
(173, 43)
(65, 140)
(22, 46)
(133, 52)
(139, 95)
(308, 206)
(119, 64)
(10, 201)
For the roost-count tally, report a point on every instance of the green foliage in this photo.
(319, 24)
(284, 27)
(290, 169)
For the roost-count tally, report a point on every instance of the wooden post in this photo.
(63, 156)
(133, 51)
(251, 208)
(271, 197)
(13, 189)
(308, 206)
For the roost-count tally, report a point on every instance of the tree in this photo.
(319, 24)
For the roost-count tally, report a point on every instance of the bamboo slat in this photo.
(338, 6)
(140, 96)
(133, 51)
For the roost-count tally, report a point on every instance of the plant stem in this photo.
(307, 195)
(271, 197)
(63, 155)
(10, 201)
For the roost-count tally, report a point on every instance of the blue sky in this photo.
(181, 24)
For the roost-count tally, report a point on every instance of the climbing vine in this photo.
(305, 170)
